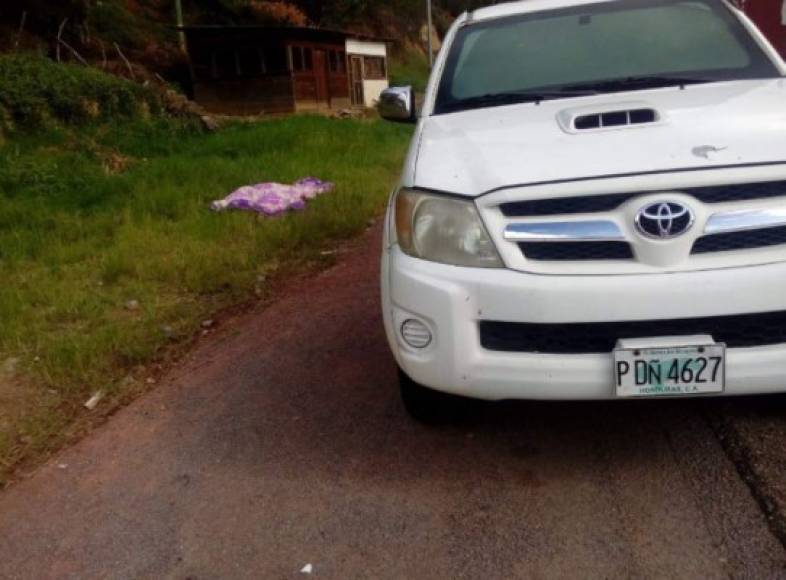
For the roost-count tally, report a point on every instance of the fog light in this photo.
(416, 334)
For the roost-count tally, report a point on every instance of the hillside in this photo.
(118, 35)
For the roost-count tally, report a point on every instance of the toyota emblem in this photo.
(664, 220)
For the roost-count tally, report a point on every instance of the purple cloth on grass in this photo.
(273, 198)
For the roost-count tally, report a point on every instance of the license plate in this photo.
(670, 371)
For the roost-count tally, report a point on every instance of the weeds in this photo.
(78, 242)
(410, 68)
(36, 92)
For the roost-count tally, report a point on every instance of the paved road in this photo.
(284, 444)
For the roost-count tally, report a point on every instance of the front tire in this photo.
(432, 407)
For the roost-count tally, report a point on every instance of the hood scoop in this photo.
(617, 116)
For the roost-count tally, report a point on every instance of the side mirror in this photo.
(397, 104)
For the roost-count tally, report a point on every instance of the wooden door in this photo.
(320, 77)
(356, 80)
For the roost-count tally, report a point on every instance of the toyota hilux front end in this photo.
(593, 207)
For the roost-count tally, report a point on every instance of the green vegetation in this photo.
(410, 68)
(109, 256)
(36, 92)
(108, 252)
(117, 22)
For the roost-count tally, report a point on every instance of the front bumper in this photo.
(452, 300)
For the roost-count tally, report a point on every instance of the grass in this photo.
(410, 68)
(94, 218)
(37, 93)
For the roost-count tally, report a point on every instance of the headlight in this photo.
(443, 229)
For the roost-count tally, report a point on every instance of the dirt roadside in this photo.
(282, 443)
(753, 433)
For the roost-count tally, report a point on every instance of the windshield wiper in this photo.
(514, 97)
(639, 82)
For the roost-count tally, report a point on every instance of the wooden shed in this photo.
(251, 70)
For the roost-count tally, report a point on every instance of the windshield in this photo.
(605, 47)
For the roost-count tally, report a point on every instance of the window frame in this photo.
(302, 58)
(384, 68)
(337, 63)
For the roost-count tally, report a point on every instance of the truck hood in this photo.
(701, 126)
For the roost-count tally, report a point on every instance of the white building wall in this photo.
(367, 48)
(372, 90)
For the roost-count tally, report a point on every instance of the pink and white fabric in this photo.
(273, 199)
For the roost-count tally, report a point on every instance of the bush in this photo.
(115, 22)
(35, 91)
(410, 67)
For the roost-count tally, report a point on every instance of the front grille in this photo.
(576, 251)
(740, 240)
(610, 202)
(737, 331)
(565, 205)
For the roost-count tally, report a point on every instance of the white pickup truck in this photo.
(593, 207)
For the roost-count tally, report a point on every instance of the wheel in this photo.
(432, 407)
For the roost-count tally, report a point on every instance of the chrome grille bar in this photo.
(577, 231)
(744, 220)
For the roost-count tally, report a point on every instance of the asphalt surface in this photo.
(282, 443)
